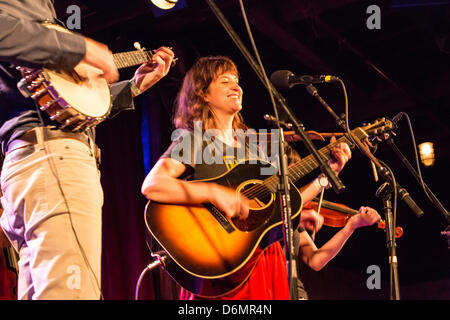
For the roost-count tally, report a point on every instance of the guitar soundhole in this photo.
(260, 203)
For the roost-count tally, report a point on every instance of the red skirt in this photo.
(268, 280)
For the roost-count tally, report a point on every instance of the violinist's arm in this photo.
(317, 258)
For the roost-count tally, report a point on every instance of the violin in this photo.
(337, 214)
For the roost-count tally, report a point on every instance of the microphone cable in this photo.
(418, 174)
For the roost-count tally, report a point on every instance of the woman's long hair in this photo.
(190, 105)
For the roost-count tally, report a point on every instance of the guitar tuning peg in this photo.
(137, 45)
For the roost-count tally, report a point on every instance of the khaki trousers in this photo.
(52, 200)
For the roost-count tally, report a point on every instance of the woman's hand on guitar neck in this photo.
(228, 201)
(98, 55)
(341, 153)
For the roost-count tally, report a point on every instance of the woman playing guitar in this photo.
(211, 98)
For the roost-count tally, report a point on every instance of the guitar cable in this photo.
(54, 171)
(160, 259)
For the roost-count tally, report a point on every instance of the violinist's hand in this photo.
(311, 220)
(366, 217)
(340, 155)
(228, 201)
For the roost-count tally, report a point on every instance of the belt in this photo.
(30, 137)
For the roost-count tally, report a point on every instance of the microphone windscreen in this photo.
(280, 79)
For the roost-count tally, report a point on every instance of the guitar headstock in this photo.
(374, 132)
(378, 129)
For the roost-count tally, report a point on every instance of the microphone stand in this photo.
(283, 188)
(383, 192)
(435, 200)
(339, 120)
(428, 192)
(315, 93)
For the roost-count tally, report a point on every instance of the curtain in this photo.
(131, 143)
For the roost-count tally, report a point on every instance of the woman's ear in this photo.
(204, 95)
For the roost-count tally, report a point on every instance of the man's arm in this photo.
(30, 44)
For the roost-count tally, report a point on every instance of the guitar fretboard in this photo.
(301, 168)
(131, 58)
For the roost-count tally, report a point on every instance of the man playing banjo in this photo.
(52, 195)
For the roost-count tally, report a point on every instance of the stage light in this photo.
(164, 4)
(426, 150)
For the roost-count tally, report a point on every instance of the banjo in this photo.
(78, 99)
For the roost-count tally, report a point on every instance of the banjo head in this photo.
(83, 89)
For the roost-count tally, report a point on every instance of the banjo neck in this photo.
(123, 59)
(131, 58)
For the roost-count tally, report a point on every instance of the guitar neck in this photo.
(131, 58)
(301, 168)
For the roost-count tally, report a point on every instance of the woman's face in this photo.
(224, 94)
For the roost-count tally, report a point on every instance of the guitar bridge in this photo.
(219, 217)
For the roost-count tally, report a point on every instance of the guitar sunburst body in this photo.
(213, 255)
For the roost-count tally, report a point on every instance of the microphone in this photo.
(285, 79)
(404, 196)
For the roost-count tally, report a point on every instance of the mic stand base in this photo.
(384, 192)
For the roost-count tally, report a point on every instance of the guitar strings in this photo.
(299, 168)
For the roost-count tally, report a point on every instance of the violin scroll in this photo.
(398, 230)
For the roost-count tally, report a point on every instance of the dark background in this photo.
(403, 67)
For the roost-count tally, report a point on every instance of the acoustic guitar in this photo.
(211, 255)
(79, 99)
